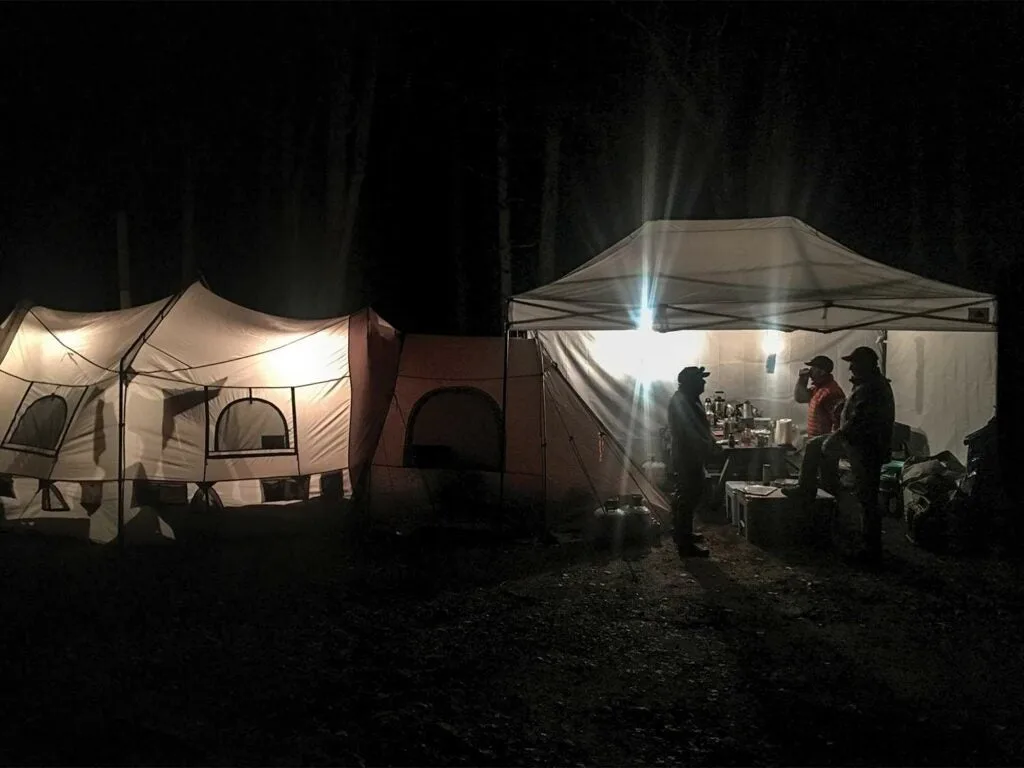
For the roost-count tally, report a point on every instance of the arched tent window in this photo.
(251, 425)
(455, 428)
(41, 425)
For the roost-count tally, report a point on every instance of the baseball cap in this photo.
(692, 373)
(821, 361)
(862, 355)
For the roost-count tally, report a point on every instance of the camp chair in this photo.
(900, 441)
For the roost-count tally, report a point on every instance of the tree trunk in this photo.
(293, 169)
(918, 247)
(339, 129)
(546, 265)
(188, 215)
(361, 156)
(347, 163)
(959, 185)
(781, 167)
(289, 202)
(266, 248)
(124, 282)
(504, 219)
(649, 163)
(458, 223)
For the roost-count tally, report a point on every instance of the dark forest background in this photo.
(309, 159)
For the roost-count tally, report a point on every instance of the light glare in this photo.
(771, 342)
(645, 322)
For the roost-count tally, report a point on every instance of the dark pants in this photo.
(823, 461)
(688, 496)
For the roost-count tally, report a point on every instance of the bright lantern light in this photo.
(305, 360)
(646, 355)
(771, 342)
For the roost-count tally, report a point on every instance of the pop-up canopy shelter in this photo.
(745, 297)
(194, 394)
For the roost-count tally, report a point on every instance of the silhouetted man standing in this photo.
(692, 445)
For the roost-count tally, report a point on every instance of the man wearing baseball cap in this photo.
(816, 387)
(865, 438)
(692, 445)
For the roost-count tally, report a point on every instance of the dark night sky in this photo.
(851, 117)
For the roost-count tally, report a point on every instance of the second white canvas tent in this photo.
(730, 294)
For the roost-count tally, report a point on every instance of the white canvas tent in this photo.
(193, 392)
(441, 447)
(731, 294)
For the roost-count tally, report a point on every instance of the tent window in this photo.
(285, 489)
(53, 500)
(455, 428)
(42, 424)
(252, 426)
(92, 496)
(159, 493)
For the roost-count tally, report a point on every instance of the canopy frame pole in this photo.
(543, 436)
(504, 414)
(122, 386)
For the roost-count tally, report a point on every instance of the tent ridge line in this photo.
(194, 385)
(973, 298)
(17, 319)
(151, 328)
(334, 323)
(98, 382)
(897, 315)
(69, 349)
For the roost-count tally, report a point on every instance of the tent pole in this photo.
(504, 415)
(122, 383)
(120, 457)
(884, 344)
(543, 436)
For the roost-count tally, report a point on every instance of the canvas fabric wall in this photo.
(561, 462)
(944, 384)
(628, 377)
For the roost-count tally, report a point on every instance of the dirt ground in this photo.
(441, 649)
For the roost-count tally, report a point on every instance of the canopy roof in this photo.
(745, 274)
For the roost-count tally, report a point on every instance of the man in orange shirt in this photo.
(816, 386)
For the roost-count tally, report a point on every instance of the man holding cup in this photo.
(816, 387)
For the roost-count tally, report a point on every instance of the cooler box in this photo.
(769, 519)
